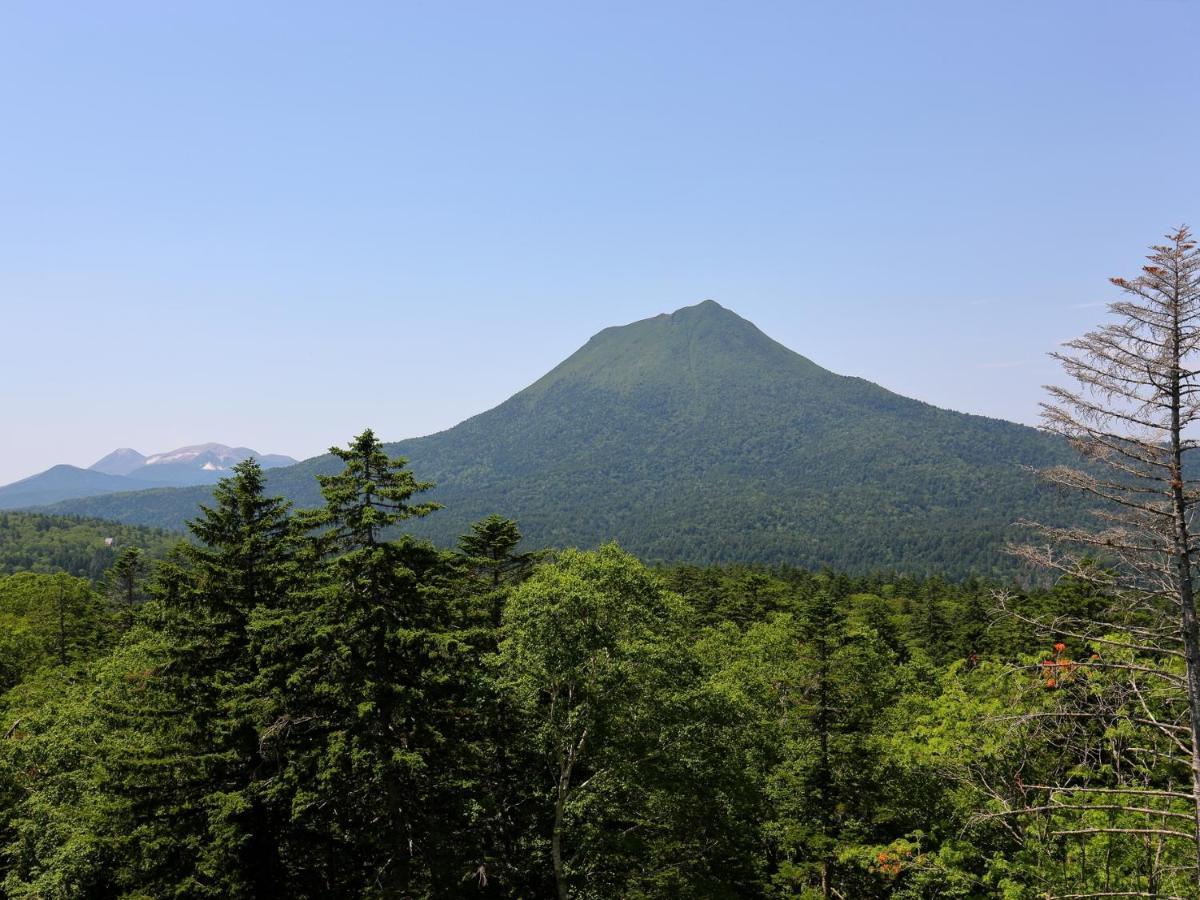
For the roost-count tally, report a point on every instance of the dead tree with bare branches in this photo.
(1132, 413)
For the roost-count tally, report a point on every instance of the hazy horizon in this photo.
(390, 438)
(273, 226)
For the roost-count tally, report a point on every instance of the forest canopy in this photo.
(302, 704)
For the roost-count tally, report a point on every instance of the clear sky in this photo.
(273, 224)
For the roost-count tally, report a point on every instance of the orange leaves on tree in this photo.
(1055, 671)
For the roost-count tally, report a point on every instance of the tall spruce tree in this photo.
(493, 763)
(187, 781)
(243, 562)
(826, 784)
(358, 736)
(489, 553)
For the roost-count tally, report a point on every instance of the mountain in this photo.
(694, 436)
(201, 464)
(126, 470)
(120, 462)
(61, 483)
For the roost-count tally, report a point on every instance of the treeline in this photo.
(297, 705)
(31, 542)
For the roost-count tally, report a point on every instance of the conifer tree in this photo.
(489, 548)
(493, 763)
(836, 684)
(125, 584)
(190, 783)
(488, 551)
(358, 734)
(243, 562)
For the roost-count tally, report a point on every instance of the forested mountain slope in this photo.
(695, 437)
(85, 548)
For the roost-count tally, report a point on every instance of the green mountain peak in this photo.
(695, 436)
(704, 349)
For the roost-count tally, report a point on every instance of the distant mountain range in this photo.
(695, 437)
(128, 470)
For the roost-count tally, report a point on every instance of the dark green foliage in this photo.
(243, 562)
(488, 550)
(695, 437)
(313, 705)
(125, 584)
(30, 542)
(357, 656)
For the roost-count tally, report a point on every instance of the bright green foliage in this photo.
(820, 686)
(176, 788)
(319, 706)
(594, 656)
(1003, 733)
(48, 620)
(76, 749)
(51, 627)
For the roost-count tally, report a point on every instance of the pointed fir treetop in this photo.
(241, 507)
(245, 540)
(489, 549)
(370, 494)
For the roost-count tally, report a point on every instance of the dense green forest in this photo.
(30, 542)
(695, 437)
(306, 703)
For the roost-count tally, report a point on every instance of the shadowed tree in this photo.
(355, 655)
(125, 583)
(489, 554)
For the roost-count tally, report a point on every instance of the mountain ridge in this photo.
(126, 469)
(694, 436)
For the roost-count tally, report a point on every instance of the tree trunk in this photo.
(1181, 551)
(560, 801)
(1191, 652)
(565, 768)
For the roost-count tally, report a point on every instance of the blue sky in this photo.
(273, 224)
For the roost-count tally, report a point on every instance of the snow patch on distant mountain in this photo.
(193, 464)
(126, 470)
(219, 455)
(210, 457)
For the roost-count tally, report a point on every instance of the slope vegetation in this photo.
(694, 436)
